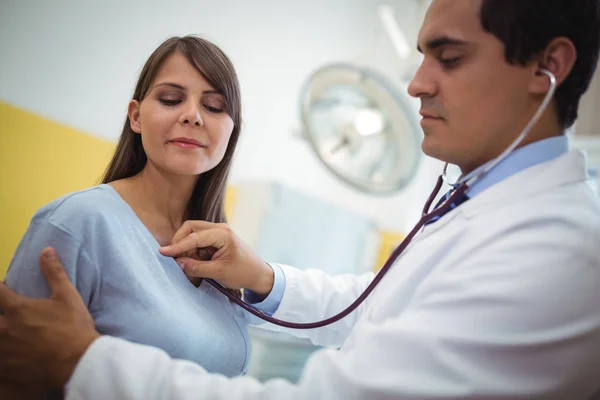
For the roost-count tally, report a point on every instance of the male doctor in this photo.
(497, 299)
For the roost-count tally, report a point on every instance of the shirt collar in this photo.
(517, 161)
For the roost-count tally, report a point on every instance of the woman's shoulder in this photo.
(77, 225)
(83, 207)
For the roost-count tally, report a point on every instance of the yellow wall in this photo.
(389, 241)
(40, 160)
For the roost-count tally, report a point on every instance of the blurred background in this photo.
(68, 71)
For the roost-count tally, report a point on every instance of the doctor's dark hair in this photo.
(526, 27)
(208, 198)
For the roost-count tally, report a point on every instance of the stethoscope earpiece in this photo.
(548, 74)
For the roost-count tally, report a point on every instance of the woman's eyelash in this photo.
(213, 109)
(170, 102)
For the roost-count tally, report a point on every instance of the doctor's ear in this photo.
(558, 58)
(133, 112)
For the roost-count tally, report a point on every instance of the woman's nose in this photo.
(192, 116)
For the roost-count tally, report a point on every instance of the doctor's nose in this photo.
(191, 116)
(422, 85)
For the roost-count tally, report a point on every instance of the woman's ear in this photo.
(559, 58)
(133, 112)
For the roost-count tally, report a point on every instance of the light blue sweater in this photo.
(131, 290)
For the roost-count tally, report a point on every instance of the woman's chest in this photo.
(150, 301)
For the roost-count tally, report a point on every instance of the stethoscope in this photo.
(461, 186)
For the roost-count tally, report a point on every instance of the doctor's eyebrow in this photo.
(442, 41)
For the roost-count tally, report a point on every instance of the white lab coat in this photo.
(500, 299)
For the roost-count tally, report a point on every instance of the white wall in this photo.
(588, 122)
(76, 62)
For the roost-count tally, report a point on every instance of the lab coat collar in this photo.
(518, 160)
(566, 169)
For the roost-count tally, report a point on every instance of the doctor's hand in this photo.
(42, 340)
(209, 250)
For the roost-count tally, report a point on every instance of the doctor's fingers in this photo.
(217, 239)
(4, 335)
(10, 301)
(201, 269)
(191, 226)
(57, 277)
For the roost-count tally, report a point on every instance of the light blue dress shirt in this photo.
(517, 161)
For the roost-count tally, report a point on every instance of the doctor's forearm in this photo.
(312, 295)
(116, 369)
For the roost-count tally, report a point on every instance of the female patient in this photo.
(170, 165)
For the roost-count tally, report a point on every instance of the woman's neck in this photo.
(159, 199)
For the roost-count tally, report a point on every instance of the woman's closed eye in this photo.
(213, 103)
(170, 102)
(213, 109)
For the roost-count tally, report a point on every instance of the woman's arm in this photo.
(25, 277)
